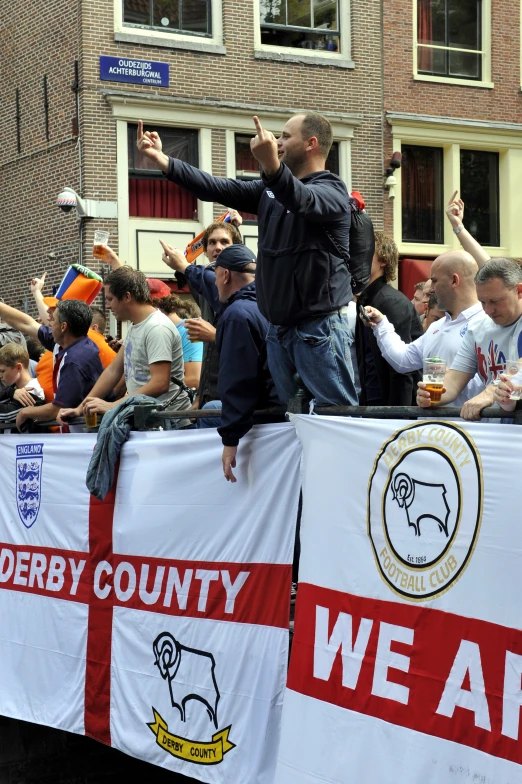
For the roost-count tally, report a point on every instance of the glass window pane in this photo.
(150, 194)
(431, 22)
(136, 12)
(299, 39)
(179, 143)
(325, 14)
(464, 65)
(195, 16)
(299, 13)
(272, 11)
(479, 187)
(422, 206)
(332, 162)
(432, 61)
(246, 164)
(166, 14)
(464, 24)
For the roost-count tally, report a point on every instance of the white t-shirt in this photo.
(442, 339)
(155, 339)
(486, 348)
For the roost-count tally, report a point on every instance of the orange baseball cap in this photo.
(50, 302)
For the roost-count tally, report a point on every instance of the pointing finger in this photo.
(43, 276)
(453, 197)
(259, 127)
(140, 129)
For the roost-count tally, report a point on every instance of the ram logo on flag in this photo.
(29, 463)
(423, 532)
(190, 674)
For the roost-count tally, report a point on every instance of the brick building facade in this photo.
(453, 107)
(328, 61)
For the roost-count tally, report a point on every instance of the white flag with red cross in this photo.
(155, 621)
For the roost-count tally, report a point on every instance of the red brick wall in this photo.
(32, 180)
(403, 94)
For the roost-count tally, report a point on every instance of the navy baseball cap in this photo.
(235, 257)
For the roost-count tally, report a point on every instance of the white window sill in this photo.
(449, 80)
(170, 42)
(297, 56)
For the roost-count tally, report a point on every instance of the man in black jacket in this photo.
(303, 280)
(381, 385)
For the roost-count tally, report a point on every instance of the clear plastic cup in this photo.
(434, 370)
(514, 371)
(101, 240)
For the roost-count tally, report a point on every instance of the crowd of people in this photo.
(316, 302)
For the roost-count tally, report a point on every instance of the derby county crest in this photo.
(29, 464)
(190, 675)
(424, 508)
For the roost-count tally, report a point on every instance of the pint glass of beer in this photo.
(101, 239)
(91, 420)
(433, 376)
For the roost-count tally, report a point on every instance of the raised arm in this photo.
(455, 213)
(19, 320)
(36, 287)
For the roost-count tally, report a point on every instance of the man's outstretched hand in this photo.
(264, 149)
(173, 258)
(149, 144)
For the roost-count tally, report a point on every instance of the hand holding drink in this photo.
(433, 377)
(514, 372)
(101, 240)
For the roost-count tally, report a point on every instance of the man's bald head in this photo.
(458, 262)
(453, 281)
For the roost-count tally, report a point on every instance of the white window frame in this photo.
(485, 82)
(452, 136)
(172, 40)
(341, 59)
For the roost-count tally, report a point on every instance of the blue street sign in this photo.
(124, 69)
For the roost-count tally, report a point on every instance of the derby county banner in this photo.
(406, 663)
(155, 621)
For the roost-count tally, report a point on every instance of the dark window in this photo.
(247, 168)
(422, 206)
(302, 24)
(332, 162)
(449, 38)
(177, 16)
(151, 195)
(479, 192)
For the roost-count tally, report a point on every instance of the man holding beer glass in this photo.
(487, 346)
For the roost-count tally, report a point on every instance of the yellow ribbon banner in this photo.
(203, 753)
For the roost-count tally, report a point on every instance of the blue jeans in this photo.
(210, 421)
(319, 350)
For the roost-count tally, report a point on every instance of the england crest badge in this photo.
(29, 465)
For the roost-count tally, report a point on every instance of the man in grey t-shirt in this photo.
(151, 357)
(487, 346)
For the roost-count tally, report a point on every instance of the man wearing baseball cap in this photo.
(244, 381)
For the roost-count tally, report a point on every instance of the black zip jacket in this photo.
(397, 389)
(303, 247)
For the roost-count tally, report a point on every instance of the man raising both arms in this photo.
(303, 276)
